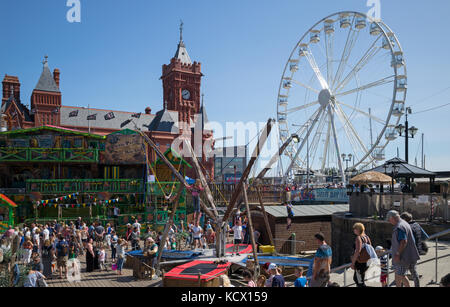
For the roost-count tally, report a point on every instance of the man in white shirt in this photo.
(197, 230)
(138, 226)
(237, 231)
(46, 233)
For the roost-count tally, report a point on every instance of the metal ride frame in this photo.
(333, 89)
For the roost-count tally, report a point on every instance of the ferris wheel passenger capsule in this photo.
(329, 26)
(399, 109)
(398, 60)
(315, 36)
(345, 21)
(293, 65)
(303, 50)
(391, 134)
(374, 29)
(402, 83)
(360, 23)
(379, 154)
(287, 84)
(283, 101)
(386, 44)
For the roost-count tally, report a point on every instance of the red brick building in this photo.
(182, 111)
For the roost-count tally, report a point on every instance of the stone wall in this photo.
(379, 231)
(304, 229)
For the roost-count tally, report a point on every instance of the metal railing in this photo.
(436, 258)
(61, 186)
(78, 155)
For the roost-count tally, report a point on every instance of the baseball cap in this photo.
(272, 266)
(392, 213)
(379, 248)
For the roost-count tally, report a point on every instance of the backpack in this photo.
(63, 249)
(46, 252)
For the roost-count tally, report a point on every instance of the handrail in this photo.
(432, 237)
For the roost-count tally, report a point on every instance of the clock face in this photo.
(186, 94)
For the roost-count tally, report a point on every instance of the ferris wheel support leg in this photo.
(333, 127)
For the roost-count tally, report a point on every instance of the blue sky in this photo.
(113, 58)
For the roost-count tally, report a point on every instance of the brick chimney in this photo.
(56, 76)
(11, 83)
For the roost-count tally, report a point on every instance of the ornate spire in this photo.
(45, 61)
(181, 30)
(182, 53)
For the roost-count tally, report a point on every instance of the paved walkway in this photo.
(104, 279)
(427, 269)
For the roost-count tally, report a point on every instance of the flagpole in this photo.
(89, 122)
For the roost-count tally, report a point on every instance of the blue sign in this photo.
(321, 195)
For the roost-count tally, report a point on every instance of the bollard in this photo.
(345, 277)
(293, 245)
(388, 268)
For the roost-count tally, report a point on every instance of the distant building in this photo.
(230, 164)
(182, 110)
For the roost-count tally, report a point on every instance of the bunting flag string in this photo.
(62, 201)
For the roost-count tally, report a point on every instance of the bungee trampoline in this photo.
(196, 274)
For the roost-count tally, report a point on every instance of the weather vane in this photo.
(181, 30)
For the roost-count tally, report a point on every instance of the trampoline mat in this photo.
(243, 249)
(180, 254)
(284, 261)
(208, 270)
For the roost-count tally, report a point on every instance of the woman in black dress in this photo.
(90, 255)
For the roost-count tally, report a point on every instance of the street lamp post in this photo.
(346, 159)
(408, 133)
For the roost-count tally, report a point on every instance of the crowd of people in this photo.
(50, 251)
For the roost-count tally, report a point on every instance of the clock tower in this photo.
(181, 84)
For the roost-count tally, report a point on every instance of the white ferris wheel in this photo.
(343, 92)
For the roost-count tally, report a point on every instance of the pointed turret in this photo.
(182, 53)
(46, 81)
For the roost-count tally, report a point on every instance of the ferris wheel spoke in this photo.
(346, 123)
(317, 138)
(329, 43)
(306, 86)
(312, 62)
(363, 113)
(367, 86)
(326, 145)
(349, 44)
(296, 109)
(309, 129)
(366, 58)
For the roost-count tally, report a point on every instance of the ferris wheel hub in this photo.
(325, 98)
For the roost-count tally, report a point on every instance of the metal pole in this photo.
(407, 139)
(423, 161)
(388, 268)
(436, 264)
(307, 160)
